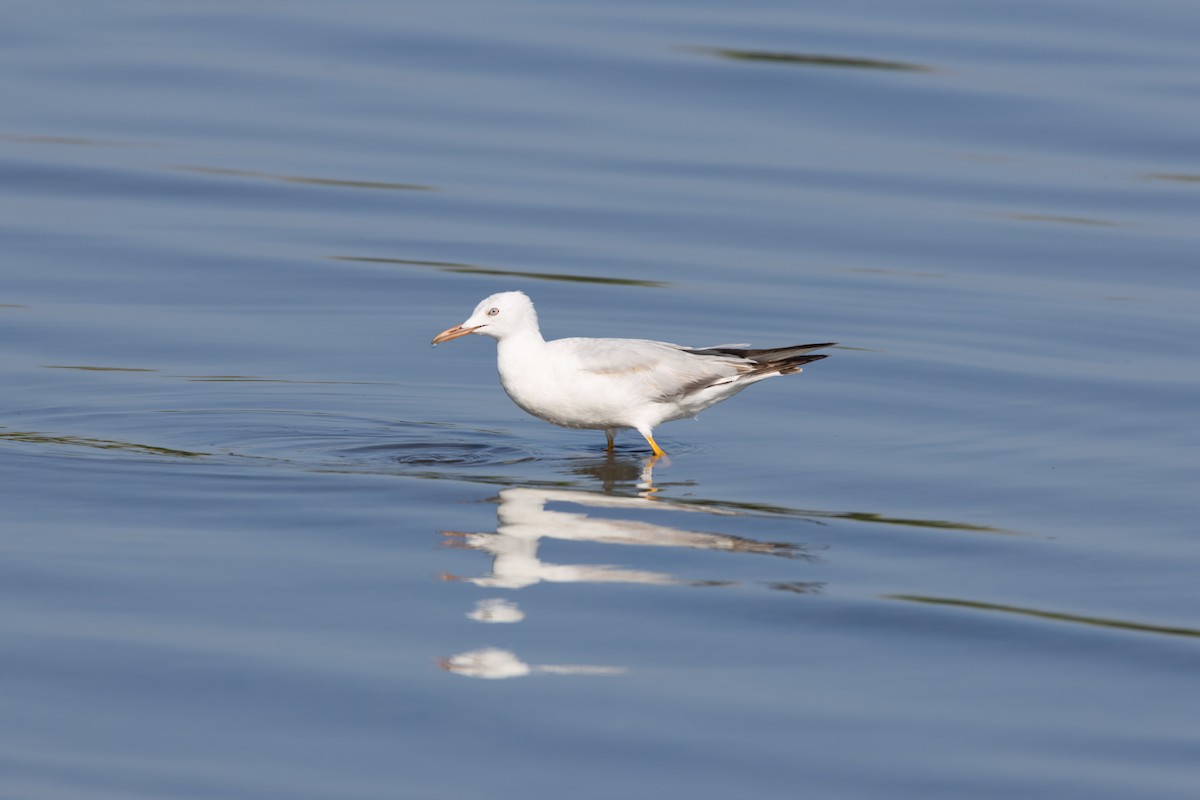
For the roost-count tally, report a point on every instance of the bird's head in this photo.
(496, 316)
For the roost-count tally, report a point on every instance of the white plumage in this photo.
(608, 384)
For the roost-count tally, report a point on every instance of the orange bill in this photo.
(452, 333)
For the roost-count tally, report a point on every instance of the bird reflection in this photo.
(527, 515)
(523, 521)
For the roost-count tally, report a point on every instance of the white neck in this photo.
(517, 356)
(526, 338)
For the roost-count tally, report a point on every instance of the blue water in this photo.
(260, 540)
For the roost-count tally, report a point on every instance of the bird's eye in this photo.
(493, 312)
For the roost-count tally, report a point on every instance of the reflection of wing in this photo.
(597, 500)
(523, 516)
(601, 573)
(518, 570)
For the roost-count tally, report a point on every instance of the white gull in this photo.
(608, 384)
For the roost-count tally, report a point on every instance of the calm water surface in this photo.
(260, 541)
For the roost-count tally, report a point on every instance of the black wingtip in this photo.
(762, 356)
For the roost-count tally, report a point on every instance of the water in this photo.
(260, 540)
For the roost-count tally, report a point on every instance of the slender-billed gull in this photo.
(607, 384)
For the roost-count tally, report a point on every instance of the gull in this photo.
(611, 384)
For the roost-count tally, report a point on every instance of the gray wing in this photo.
(659, 370)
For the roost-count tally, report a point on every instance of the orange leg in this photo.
(658, 451)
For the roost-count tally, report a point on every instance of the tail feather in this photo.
(763, 363)
(784, 366)
(773, 354)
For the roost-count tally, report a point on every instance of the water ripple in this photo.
(813, 59)
(441, 454)
(342, 442)
(307, 440)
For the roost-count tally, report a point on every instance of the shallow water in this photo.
(260, 540)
